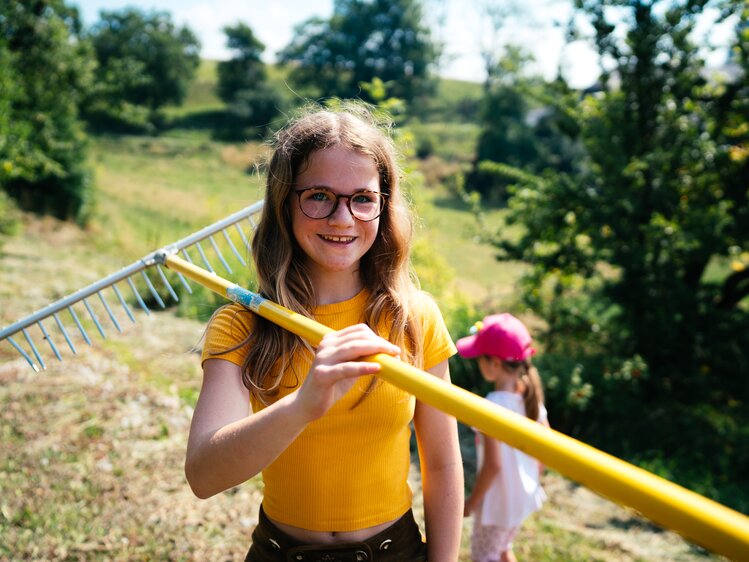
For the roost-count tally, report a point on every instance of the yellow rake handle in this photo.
(701, 520)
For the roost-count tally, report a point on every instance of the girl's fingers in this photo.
(353, 342)
(331, 374)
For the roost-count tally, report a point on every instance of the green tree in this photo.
(641, 257)
(521, 125)
(45, 70)
(364, 40)
(243, 84)
(145, 63)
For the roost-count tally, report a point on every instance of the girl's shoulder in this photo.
(230, 325)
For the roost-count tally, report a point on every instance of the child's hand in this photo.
(338, 364)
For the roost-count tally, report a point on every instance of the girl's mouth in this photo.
(337, 239)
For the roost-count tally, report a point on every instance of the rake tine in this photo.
(152, 289)
(80, 326)
(33, 348)
(94, 318)
(242, 235)
(220, 255)
(64, 333)
(168, 286)
(49, 341)
(233, 248)
(25, 355)
(124, 304)
(184, 282)
(205, 259)
(137, 296)
(109, 311)
(187, 256)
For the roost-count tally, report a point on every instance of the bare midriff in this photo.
(331, 537)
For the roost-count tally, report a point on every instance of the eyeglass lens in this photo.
(319, 203)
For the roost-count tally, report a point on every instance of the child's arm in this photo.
(541, 466)
(488, 471)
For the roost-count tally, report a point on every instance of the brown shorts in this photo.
(401, 542)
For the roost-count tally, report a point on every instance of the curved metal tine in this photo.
(124, 304)
(168, 286)
(49, 340)
(109, 311)
(181, 277)
(242, 235)
(137, 296)
(80, 326)
(233, 248)
(25, 355)
(33, 348)
(152, 289)
(220, 255)
(184, 282)
(94, 318)
(205, 259)
(64, 333)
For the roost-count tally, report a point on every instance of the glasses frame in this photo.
(338, 196)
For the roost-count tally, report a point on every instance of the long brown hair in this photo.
(279, 261)
(533, 390)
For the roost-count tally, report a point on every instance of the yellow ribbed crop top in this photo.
(347, 470)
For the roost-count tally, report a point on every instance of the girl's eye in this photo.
(321, 196)
(363, 198)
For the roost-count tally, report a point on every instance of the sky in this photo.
(460, 24)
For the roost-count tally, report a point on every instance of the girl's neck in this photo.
(335, 288)
(506, 384)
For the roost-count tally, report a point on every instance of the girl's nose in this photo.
(342, 214)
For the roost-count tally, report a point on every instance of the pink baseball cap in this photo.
(499, 335)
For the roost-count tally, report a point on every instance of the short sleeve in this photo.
(438, 345)
(229, 327)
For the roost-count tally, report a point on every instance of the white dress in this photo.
(516, 492)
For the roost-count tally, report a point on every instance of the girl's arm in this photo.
(228, 444)
(488, 471)
(441, 476)
(541, 466)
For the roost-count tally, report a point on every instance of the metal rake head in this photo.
(223, 230)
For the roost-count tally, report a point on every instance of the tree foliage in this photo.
(243, 84)
(521, 126)
(45, 69)
(145, 62)
(364, 40)
(641, 256)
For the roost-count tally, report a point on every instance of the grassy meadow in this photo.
(93, 447)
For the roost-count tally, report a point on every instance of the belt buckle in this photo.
(350, 552)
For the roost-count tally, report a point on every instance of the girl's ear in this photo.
(496, 362)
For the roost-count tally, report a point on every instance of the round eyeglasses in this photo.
(320, 203)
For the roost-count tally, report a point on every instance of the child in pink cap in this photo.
(507, 488)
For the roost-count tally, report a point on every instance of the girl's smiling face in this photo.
(336, 244)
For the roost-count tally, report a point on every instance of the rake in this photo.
(705, 522)
(229, 233)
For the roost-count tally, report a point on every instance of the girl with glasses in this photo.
(507, 488)
(331, 440)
